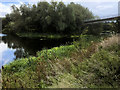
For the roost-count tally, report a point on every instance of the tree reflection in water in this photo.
(29, 46)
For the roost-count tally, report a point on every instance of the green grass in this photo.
(76, 65)
(101, 70)
(36, 35)
(49, 36)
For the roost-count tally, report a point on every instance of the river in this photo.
(13, 47)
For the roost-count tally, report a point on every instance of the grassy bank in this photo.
(77, 65)
(36, 35)
(49, 36)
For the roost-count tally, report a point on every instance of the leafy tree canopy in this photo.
(53, 17)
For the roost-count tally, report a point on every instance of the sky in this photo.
(6, 54)
(101, 8)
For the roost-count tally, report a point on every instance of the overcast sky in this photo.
(102, 8)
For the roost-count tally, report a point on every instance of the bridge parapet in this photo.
(102, 20)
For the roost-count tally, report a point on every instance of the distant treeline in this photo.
(53, 18)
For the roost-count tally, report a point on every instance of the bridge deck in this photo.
(100, 20)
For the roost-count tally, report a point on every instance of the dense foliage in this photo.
(46, 17)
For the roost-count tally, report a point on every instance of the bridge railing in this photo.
(101, 20)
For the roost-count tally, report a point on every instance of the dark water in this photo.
(13, 47)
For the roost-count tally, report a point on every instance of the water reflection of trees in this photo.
(15, 43)
(26, 46)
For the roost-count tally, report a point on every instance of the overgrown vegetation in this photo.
(77, 65)
(83, 64)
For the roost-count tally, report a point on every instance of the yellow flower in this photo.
(56, 48)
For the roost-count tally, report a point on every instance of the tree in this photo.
(48, 18)
(95, 28)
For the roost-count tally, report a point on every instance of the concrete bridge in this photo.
(101, 20)
(116, 18)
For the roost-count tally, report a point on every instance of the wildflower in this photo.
(56, 48)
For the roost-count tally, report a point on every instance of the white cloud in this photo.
(20, 2)
(3, 48)
(5, 62)
(4, 9)
(103, 7)
(61, 0)
(97, 0)
(4, 59)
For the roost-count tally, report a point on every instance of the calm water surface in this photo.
(13, 47)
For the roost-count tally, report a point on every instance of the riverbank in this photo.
(86, 63)
(49, 36)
